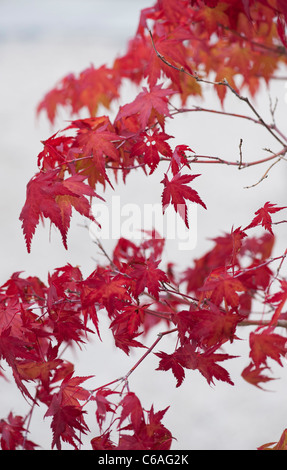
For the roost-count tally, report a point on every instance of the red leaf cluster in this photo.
(204, 306)
(138, 429)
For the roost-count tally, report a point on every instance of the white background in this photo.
(40, 42)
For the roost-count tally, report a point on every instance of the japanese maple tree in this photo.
(180, 48)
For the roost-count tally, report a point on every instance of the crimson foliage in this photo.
(179, 47)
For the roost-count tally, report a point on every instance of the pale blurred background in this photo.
(40, 42)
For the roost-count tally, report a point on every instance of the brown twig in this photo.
(283, 152)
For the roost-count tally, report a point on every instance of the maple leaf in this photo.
(159, 433)
(14, 350)
(176, 192)
(150, 435)
(254, 376)
(263, 216)
(67, 324)
(207, 327)
(103, 405)
(67, 414)
(77, 200)
(205, 363)
(153, 245)
(125, 340)
(147, 105)
(221, 286)
(125, 327)
(13, 434)
(132, 409)
(147, 275)
(50, 103)
(55, 151)
(169, 48)
(212, 16)
(131, 318)
(281, 444)
(66, 419)
(179, 159)
(93, 87)
(255, 276)
(281, 5)
(96, 138)
(267, 345)
(106, 290)
(71, 392)
(26, 288)
(102, 442)
(259, 246)
(171, 361)
(10, 317)
(49, 197)
(150, 147)
(38, 370)
(225, 73)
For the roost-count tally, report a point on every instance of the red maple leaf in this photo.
(205, 363)
(72, 392)
(132, 409)
(221, 286)
(150, 146)
(125, 340)
(263, 216)
(54, 152)
(51, 102)
(50, 197)
(255, 276)
(66, 411)
(66, 420)
(96, 137)
(179, 159)
(40, 370)
(157, 431)
(148, 434)
(13, 434)
(131, 318)
(93, 87)
(14, 351)
(176, 192)
(147, 105)
(281, 444)
(254, 376)
(103, 442)
(147, 275)
(170, 49)
(103, 405)
(207, 327)
(267, 345)
(171, 362)
(106, 290)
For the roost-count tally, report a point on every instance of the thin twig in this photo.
(240, 155)
(268, 169)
